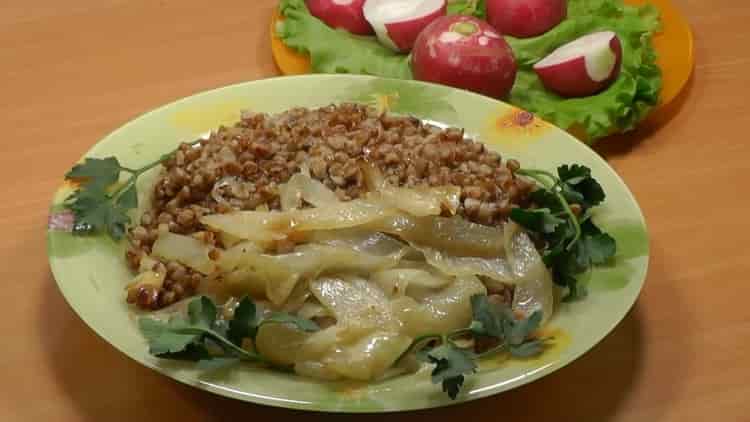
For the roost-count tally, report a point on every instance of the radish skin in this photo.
(525, 18)
(344, 14)
(398, 23)
(582, 67)
(465, 52)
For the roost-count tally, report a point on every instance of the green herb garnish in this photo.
(451, 364)
(492, 321)
(213, 343)
(573, 243)
(475, 8)
(102, 202)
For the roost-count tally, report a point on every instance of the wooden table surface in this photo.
(70, 72)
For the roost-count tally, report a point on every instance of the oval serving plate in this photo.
(91, 272)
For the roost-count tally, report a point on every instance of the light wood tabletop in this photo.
(70, 72)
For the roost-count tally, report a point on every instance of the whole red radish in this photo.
(465, 52)
(397, 23)
(344, 14)
(582, 67)
(525, 18)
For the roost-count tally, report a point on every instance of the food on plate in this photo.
(343, 243)
(397, 23)
(465, 52)
(344, 14)
(582, 67)
(525, 18)
(619, 107)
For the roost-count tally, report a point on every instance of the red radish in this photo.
(525, 18)
(345, 14)
(465, 52)
(397, 23)
(582, 67)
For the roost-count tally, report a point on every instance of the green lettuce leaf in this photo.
(337, 51)
(468, 7)
(617, 109)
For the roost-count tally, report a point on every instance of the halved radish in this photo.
(525, 18)
(397, 23)
(345, 14)
(465, 52)
(582, 67)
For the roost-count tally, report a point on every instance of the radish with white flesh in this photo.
(397, 23)
(582, 67)
(465, 52)
(525, 18)
(344, 14)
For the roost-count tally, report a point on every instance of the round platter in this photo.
(91, 271)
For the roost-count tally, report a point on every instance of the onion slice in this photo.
(454, 236)
(186, 250)
(302, 187)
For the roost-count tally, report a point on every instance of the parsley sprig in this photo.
(491, 321)
(573, 243)
(211, 342)
(216, 343)
(102, 201)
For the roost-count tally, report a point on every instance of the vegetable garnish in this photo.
(398, 23)
(212, 342)
(492, 322)
(582, 67)
(484, 58)
(618, 108)
(525, 18)
(101, 203)
(216, 343)
(346, 15)
(467, 7)
(573, 243)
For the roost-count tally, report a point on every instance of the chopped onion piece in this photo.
(441, 311)
(302, 187)
(257, 226)
(279, 274)
(454, 235)
(313, 309)
(420, 201)
(339, 216)
(186, 250)
(396, 282)
(534, 288)
(372, 176)
(147, 278)
(370, 357)
(361, 240)
(233, 257)
(494, 268)
(267, 226)
(357, 303)
(319, 343)
(280, 343)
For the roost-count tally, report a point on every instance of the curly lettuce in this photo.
(617, 109)
(335, 50)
